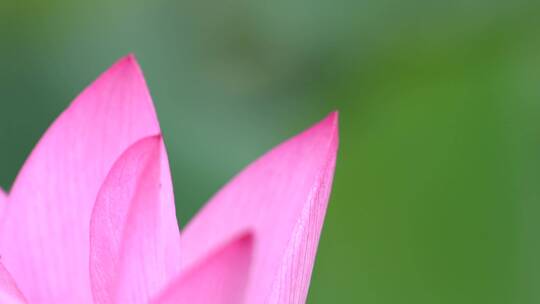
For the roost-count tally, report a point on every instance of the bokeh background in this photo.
(436, 196)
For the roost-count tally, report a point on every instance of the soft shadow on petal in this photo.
(44, 236)
(218, 279)
(282, 197)
(133, 243)
(9, 292)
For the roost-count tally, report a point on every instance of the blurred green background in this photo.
(437, 183)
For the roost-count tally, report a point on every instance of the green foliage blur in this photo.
(436, 194)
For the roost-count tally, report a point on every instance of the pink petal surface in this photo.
(133, 235)
(44, 238)
(9, 292)
(219, 279)
(3, 202)
(282, 197)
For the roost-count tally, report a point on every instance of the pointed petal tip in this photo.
(245, 241)
(287, 222)
(332, 122)
(333, 117)
(157, 138)
(242, 242)
(329, 122)
(131, 57)
(128, 62)
(220, 277)
(246, 238)
(152, 142)
(133, 226)
(327, 130)
(104, 120)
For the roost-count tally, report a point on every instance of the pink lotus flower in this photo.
(91, 216)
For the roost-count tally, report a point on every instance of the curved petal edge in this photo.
(220, 278)
(283, 198)
(134, 237)
(3, 202)
(9, 292)
(52, 198)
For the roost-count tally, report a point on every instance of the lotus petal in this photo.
(282, 197)
(133, 241)
(3, 202)
(44, 238)
(9, 292)
(219, 279)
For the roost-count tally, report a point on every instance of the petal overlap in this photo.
(9, 292)
(283, 197)
(220, 278)
(44, 237)
(91, 216)
(134, 238)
